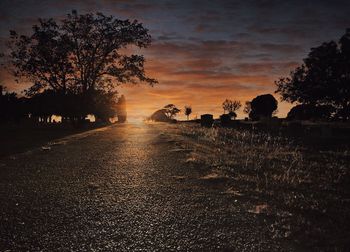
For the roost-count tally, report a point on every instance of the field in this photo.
(300, 190)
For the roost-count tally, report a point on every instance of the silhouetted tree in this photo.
(231, 107)
(43, 57)
(323, 79)
(188, 111)
(79, 60)
(159, 116)
(96, 43)
(80, 53)
(171, 111)
(262, 106)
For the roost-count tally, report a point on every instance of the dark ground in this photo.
(17, 138)
(124, 188)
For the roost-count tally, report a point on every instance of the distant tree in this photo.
(233, 115)
(188, 111)
(262, 106)
(159, 116)
(80, 53)
(323, 79)
(231, 107)
(171, 111)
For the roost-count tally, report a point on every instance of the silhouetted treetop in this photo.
(231, 106)
(80, 53)
(171, 111)
(262, 106)
(322, 79)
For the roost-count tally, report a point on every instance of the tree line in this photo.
(69, 106)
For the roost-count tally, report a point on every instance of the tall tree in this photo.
(323, 79)
(80, 53)
(97, 41)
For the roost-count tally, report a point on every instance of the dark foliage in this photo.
(80, 53)
(262, 106)
(310, 112)
(225, 119)
(70, 106)
(207, 120)
(232, 114)
(75, 65)
(323, 79)
(12, 109)
(171, 111)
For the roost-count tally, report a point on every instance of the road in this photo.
(121, 188)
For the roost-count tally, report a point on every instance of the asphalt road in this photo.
(122, 188)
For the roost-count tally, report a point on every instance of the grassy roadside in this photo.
(303, 190)
(20, 138)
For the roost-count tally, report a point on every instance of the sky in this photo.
(203, 51)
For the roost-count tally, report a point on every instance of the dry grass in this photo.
(305, 188)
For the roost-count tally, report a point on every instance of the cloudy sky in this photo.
(203, 51)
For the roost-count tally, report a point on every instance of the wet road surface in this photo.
(121, 188)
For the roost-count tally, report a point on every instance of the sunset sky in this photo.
(203, 51)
